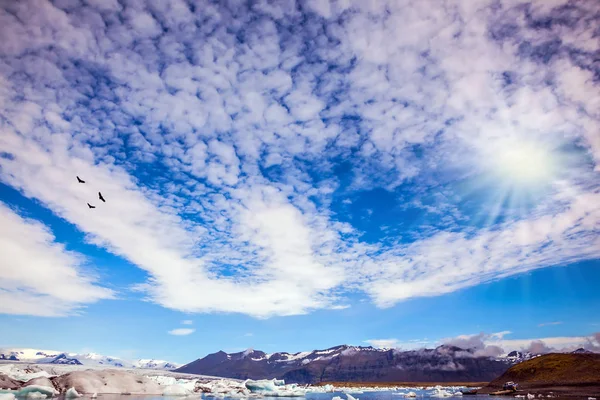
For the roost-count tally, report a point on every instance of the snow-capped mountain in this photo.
(89, 359)
(515, 357)
(353, 363)
(154, 364)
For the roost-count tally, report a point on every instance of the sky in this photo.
(294, 175)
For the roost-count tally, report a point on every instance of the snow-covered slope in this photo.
(353, 363)
(90, 359)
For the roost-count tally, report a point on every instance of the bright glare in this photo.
(523, 163)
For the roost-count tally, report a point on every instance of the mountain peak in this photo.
(347, 363)
(91, 359)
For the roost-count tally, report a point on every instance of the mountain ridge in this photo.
(92, 359)
(345, 363)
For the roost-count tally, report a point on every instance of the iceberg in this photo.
(176, 390)
(7, 396)
(28, 391)
(261, 386)
(411, 394)
(23, 373)
(350, 397)
(439, 392)
(274, 388)
(72, 393)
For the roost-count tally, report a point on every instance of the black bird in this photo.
(100, 197)
(91, 206)
(80, 180)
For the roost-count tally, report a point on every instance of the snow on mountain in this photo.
(352, 363)
(154, 364)
(90, 359)
(515, 357)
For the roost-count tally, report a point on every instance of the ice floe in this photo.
(274, 388)
(7, 396)
(72, 393)
(23, 373)
(176, 390)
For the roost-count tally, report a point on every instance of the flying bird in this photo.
(91, 206)
(80, 180)
(100, 197)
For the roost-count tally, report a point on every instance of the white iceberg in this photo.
(23, 373)
(72, 393)
(7, 396)
(176, 390)
(411, 394)
(350, 397)
(261, 386)
(439, 392)
(274, 388)
(28, 390)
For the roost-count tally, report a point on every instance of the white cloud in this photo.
(187, 322)
(535, 345)
(384, 343)
(182, 331)
(495, 344)
(393, 343)
(229, 127)
(550, 323)
(38, 276)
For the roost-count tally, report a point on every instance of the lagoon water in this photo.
(377, 395)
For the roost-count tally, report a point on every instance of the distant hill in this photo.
(36, 356)
(577, 369)
(354, 364)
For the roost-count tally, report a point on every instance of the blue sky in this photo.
(297, 175)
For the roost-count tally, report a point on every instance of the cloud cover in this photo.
(496, 344)
(214, 129)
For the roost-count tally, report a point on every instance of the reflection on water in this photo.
(379, 395)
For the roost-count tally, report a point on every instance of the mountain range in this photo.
(356, 363)
(90, 359)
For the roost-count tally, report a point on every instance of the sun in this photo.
(521, 163)
(512, 176)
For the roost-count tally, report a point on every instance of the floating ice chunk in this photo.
(350, 397)
(530, 396)
(261, 386)
(328, 388)
(411, 394)
(176, 390)
(48, 391)
(591, 398)
(7, 396)
(72, 393)
(438, 392)
(94, 395)
(336, 398)
(457, 394)
(163, 380)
